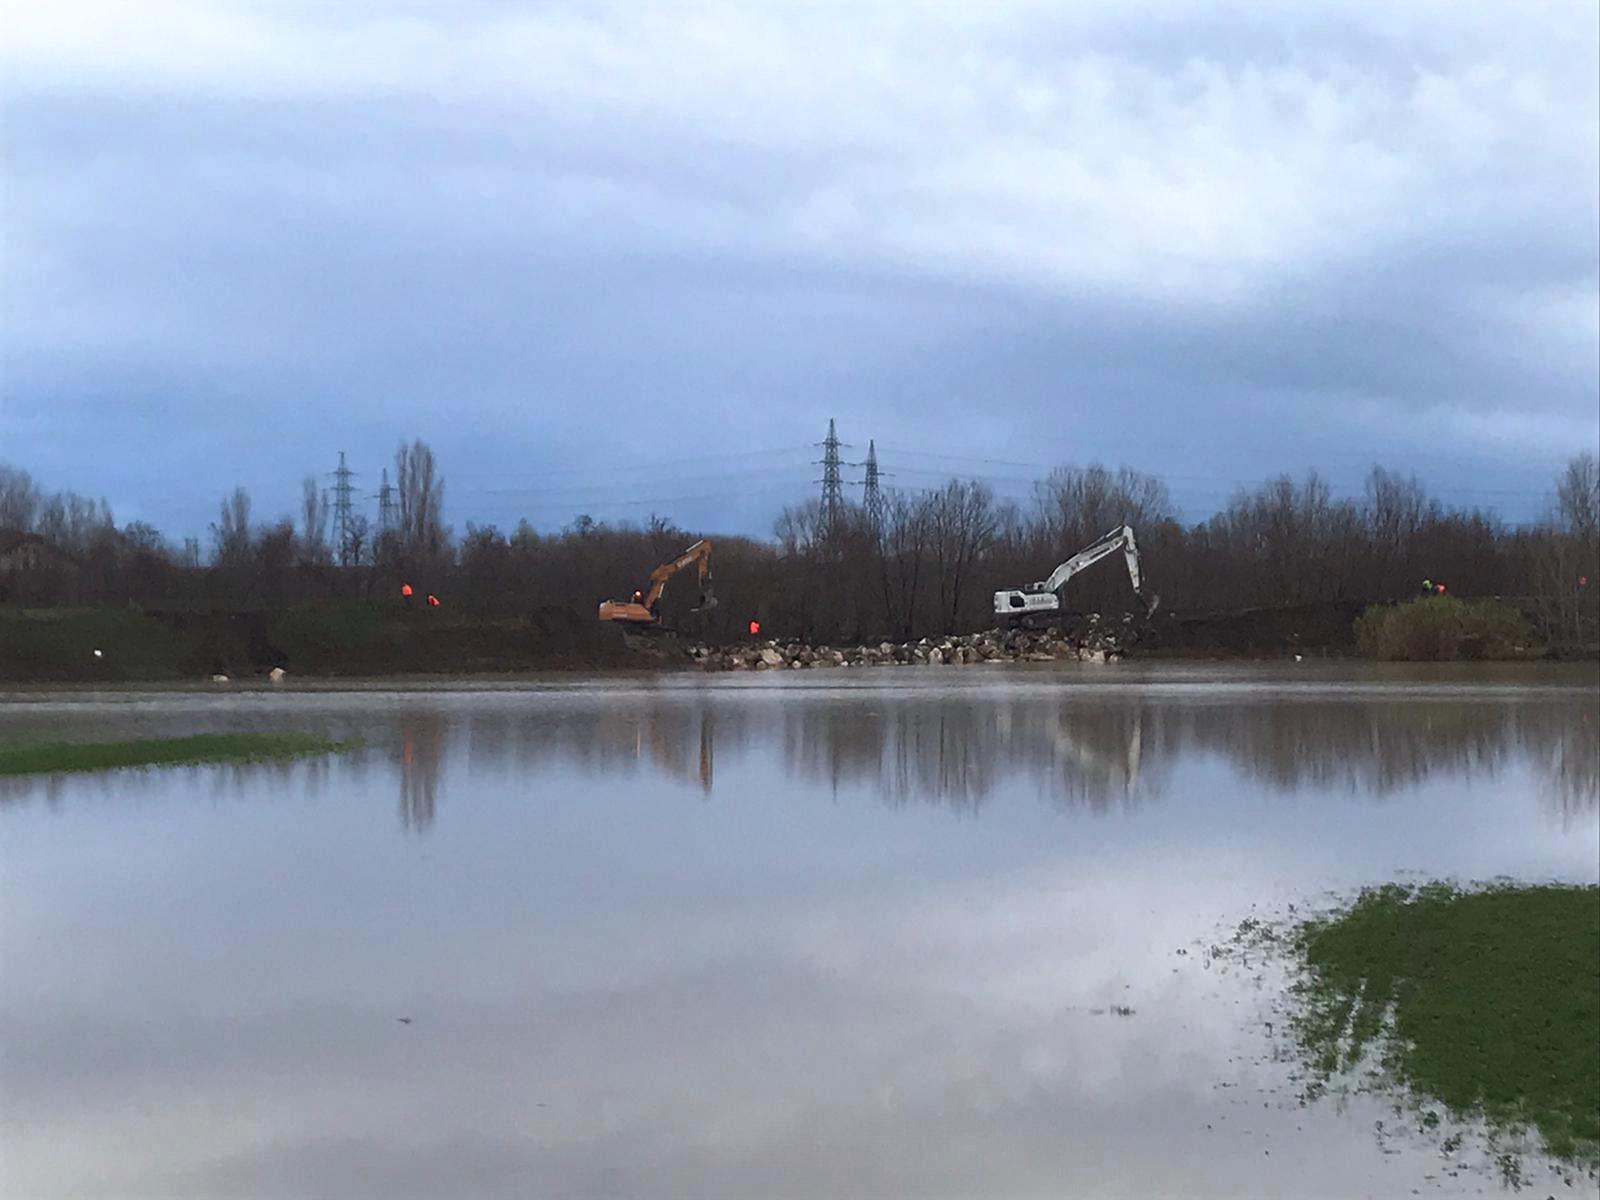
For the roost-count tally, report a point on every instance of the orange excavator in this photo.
(644, 610)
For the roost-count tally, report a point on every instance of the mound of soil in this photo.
(1324, 628)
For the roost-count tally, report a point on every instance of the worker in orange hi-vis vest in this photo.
(405, 594)
(433, 601)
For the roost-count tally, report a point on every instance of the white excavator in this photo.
(1038, 602)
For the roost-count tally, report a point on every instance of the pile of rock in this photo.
(1090, 640)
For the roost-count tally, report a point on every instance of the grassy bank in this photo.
(1442, 629)
(61, 645)
(1487, 1001)
(45, 757)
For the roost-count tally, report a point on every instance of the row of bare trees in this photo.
(926, 564)
(932, 562)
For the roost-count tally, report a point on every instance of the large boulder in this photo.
(771, 656)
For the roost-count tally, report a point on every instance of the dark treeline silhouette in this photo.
(927, 564)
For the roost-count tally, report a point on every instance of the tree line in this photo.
(923, 563)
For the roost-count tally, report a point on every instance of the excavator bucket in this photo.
(707, 601)
(1151, 603)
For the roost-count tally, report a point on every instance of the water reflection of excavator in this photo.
(644, 610)
(1117, 770)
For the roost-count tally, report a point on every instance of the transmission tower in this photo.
(871, 489)
(342, 512)
(832, 482)
(385, 505)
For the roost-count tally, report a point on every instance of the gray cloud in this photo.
(563, 246)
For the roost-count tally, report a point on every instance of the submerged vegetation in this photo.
(1486, 1001)
(1442, 629)
(46, 757)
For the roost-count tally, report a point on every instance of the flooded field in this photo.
(898, 933)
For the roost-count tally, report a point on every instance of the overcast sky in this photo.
(622, 258)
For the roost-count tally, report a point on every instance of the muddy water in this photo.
(849, 934)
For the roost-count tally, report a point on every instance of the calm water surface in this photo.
(806, 935)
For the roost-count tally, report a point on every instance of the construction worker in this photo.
(1427, 587)
(405, 594)
(433, 601)
(755, 628)
(638, 596)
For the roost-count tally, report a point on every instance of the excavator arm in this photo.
(1040, 598)
(1118, 539)
(642, 611)
(699, 553)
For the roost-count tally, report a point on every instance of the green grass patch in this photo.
(45, 757)
(1487, 1001)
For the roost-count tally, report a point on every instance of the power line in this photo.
(622, 485)
(634, 469)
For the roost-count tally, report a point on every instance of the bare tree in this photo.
(963, 525)
(421, 496)
(1578, 497)
(907, 531)
(314, 523)
(356, 539)
(19, 499)
(230, 535)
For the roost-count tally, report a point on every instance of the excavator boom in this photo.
(1042, 598)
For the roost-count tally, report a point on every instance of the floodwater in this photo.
(847, 934)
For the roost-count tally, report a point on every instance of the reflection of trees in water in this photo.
(1097, 752)
(958, 753)
(627, 738)
(907, 749)
(1566, 749)
(1072, 749)
(422, 736)
(1383, 746)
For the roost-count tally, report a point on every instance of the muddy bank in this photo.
(373, 640)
